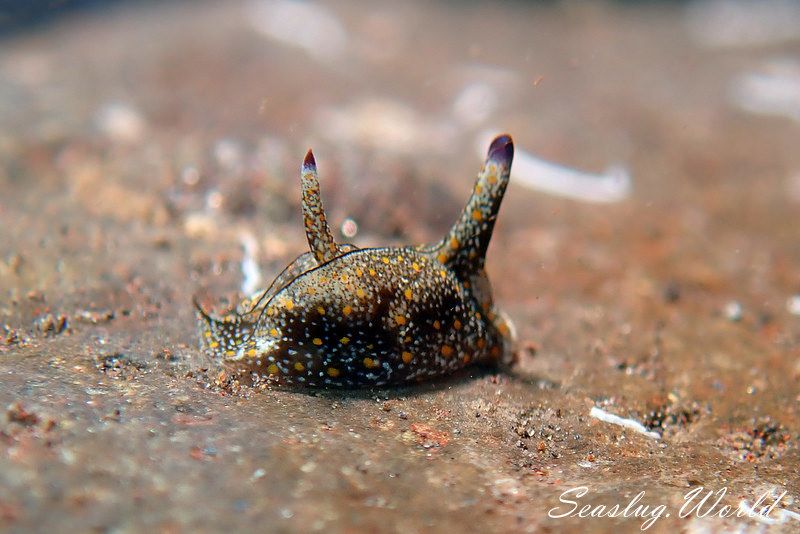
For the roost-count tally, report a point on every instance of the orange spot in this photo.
(298, 366)
(495, 352)
(457, 324)
(454, 244)
(385, 260)
(360, 293)
(347, 310)
(320, 310)
(467, 358)
(503, 328)
(415, 266)
(443, 273)
(317, 341)
(288, 304)
(369, 363)
(399, 259)
(442, 258)
(345, 340)
(408, 293)
(437, 325)
(478, 188)
(273, 369)
(273, 332)
(251, 352)
(344, 277)
(481, 343)
(407, 357)
(359, 272)
(492, 179)
(213, 344)
(333, 372)
(372, 272)
(477, 215)
(399, 319)
(447, 351)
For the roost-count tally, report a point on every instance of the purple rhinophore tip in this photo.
(308, 162)
(501, 150)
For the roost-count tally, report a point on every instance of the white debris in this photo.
(251, 274)
(483, 90)
(229, 154)
(631, 424)
(190, 175)
(773, 90)
(306, 25)
(121, 122)
(743, 23)
(475, 103)
(793, 304)
(527, 170)
(733, 311)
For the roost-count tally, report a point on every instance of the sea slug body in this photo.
(340, 316)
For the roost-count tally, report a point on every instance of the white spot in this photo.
(793, 304)
(612, 186)
(251, 274)
(733, 311)
(265, 345)
(349, 228)
(475, 103)
(190, 175)
(631, 424)
(214, 199)
(121, 122)
(228, 154)
(773, 90)
(306, 25)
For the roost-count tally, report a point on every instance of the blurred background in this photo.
(648, 252)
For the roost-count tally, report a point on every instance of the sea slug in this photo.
(341, 316)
